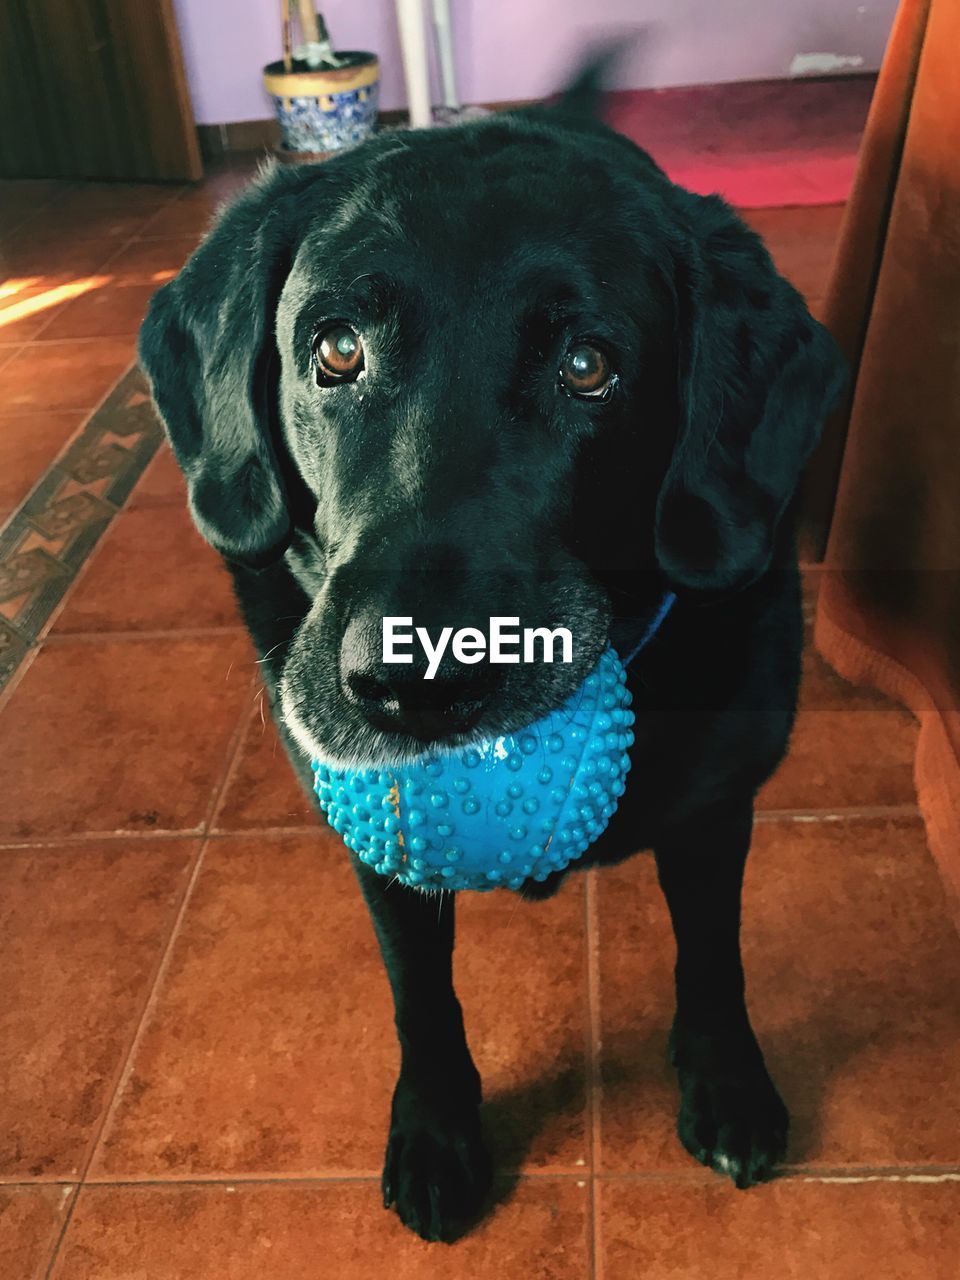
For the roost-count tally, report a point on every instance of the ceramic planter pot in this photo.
(325, 109)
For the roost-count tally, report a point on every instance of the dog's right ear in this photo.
(208, 348)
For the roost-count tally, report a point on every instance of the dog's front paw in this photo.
(437, 1169)
(731, 1116)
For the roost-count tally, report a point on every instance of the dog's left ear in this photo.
(757, 375)
(208, 346)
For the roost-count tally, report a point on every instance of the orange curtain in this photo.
(885, 487)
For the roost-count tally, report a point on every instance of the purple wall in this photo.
(518, 49)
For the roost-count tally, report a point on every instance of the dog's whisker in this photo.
(272, 649)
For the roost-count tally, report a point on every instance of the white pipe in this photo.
(413, 44)
(443, 35)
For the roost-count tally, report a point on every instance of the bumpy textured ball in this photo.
(501, 811)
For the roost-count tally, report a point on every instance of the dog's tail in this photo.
(596, 76)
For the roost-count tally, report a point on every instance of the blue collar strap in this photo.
(650, 627)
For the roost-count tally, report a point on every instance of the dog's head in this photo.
(502, 369)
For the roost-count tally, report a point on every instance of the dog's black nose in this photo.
(426, 709)
(397, 698)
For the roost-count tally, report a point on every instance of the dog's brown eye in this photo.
(337, 354)
(585, 371)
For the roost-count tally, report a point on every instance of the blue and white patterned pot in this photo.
(325, 110)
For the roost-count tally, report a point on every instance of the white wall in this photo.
(519, 49)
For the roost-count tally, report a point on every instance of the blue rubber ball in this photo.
(501, 811)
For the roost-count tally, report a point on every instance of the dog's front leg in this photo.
(731, 1116)
(437, 1170)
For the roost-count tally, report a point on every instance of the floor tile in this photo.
(21, 323)
(190, 214)
(264, 791)
(224, 176)
(638, 1095)
(126, 283)
(83, 928)
(846, 759)
(851, 747)
(152, 261)
(120, 735)
(29, 302)
(100, 211)
(853, 972)
(102, 289)
(31, 1219)
(162, 484)
(63, 375)
(152, 571)
(8, 351)
(29, 442)
(520, 970)
(22, 198)
(822, 689)
(53, 256)
(801, 241)
(115, 309)
(303, 1232)
(59, 239)
(271, 1047)
(887, 1231)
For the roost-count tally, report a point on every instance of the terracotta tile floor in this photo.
(181, 1096)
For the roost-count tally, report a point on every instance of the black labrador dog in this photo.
(510, 369)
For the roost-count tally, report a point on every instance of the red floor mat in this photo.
(771, 143)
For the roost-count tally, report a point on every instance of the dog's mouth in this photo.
(357, 744)
(368, 746)
(348, 705)
(330, 728)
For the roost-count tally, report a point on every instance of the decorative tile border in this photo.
(48, 538)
